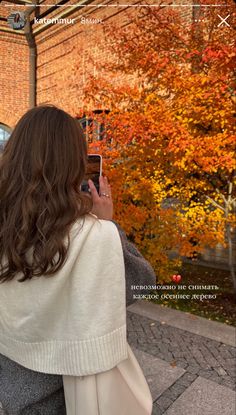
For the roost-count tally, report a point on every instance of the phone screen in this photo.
(93, 172)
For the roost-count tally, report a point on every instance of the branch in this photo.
(215, 203)
(233, 203)
(230, 191)
(221, 195)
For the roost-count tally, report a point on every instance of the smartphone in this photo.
(93, 172)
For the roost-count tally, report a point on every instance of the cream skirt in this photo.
(122, 390)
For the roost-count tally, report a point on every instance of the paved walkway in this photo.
(189, 362)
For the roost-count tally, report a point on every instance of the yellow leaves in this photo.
(166, 136)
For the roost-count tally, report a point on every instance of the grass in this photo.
(221, 309)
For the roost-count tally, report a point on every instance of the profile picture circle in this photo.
(16, 20)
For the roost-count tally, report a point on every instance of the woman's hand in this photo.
(102, 204)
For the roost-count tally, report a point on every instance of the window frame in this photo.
(5, 132)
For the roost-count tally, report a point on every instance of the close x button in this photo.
(223, 21)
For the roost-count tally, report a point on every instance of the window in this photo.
(5, 132)
(93, 129)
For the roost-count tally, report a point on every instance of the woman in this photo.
(66, 268)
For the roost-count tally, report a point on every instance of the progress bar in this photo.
(117, 5)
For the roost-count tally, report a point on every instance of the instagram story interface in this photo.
(152, 84)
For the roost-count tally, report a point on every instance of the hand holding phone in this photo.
(102, 204)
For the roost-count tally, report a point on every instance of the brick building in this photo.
(36, 61)
(54, 46)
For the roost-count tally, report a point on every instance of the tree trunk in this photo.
(230, 256)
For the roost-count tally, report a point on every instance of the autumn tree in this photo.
(169, 142)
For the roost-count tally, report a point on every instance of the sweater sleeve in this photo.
(138, 270)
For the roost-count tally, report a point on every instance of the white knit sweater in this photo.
(73, 323)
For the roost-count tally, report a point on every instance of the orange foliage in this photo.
(170, 136)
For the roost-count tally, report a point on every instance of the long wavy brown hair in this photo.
(41, 170)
